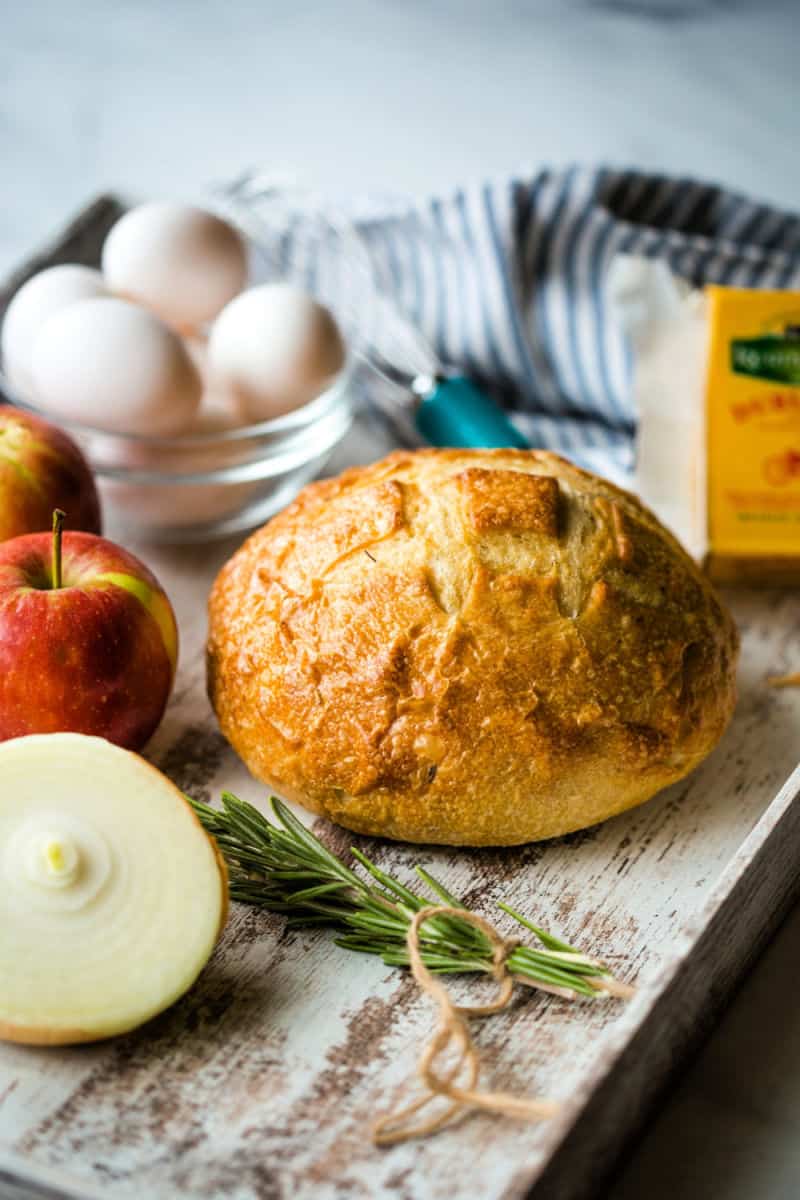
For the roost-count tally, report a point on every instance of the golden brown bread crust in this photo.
(468, 647)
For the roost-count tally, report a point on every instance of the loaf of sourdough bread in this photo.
(468, 647)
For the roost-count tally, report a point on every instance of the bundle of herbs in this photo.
(281, 866)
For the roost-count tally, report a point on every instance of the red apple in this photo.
(42, 469)
(88, 640)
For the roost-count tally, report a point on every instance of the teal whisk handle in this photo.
(454, 412)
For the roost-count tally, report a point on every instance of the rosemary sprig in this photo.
(283, 867)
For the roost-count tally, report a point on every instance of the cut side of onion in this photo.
(112, 896)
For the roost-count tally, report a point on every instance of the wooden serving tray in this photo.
(261, 1084)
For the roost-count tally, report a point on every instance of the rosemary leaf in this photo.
(439, 888)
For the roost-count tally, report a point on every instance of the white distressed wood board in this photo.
(262, 1082)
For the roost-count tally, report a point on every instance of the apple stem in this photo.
(58, 524)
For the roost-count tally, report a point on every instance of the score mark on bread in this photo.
(510, 501)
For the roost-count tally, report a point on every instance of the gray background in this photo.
(161, 97)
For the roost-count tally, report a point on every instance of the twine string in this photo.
(458, 1082)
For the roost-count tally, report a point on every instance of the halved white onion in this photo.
(112, 897)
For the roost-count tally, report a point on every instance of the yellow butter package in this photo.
(716, 376)
(752, 399)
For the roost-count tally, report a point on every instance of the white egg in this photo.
(219, 404)
(275, 348)
(218, 413)
(115, 366)
(197, 349)
(37, 300)
(181, 262)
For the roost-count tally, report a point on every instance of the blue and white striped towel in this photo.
(507, 281)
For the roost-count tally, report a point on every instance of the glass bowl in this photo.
(199, 486)
(203, 486)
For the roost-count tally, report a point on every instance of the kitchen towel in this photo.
(507, 280)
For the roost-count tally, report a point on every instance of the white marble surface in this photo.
(161, 96)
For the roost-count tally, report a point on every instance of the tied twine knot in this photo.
(457, 1082)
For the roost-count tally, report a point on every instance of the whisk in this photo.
(297, 237)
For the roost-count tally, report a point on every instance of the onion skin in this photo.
(24, 1036)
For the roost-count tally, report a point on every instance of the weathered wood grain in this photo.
(261, 1083)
